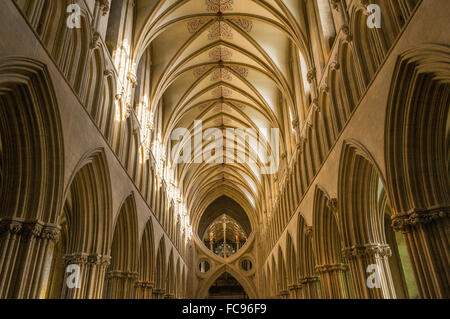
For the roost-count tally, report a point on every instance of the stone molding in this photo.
(35, 229)
(331, 267)
(87, 259)
(406, 222)
(368, 250)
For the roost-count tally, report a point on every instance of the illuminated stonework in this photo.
(200, 71)
(221, 74)
(244, 24)
(220, 30)
(221, 91)
(196, 24)
(219, 5)
(89, 154)
(242, 71)
(220, 54)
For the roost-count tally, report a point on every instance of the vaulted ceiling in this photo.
(228, 64)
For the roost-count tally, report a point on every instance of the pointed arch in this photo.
(417, 136)
(86, 224)
(147, 266)
(417, 132)
(292, 262)
(362, 222)
(160, 275)
(31, 171)
(308, 277)
(122, 272)
(327, 245)
(31, 142)
(243, 281)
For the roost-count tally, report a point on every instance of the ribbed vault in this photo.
(213, 61)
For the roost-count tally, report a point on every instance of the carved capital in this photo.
(50, 233)
(32, 229)
(10, 227)
(311, 75)
(333, 205)
(406, 222)
(105, 6)
(335, 65)
(346, 31)
(308, 230)
(368, 250)
(335, 4)
(94, 40)
(309, 280)
(76, 259)
(331, 267)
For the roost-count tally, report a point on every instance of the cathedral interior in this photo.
(118, 178)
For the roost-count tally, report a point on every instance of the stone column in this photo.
(284, 294)
(310, 287)
(295, 291)
(144, 290)
(334, 281)
(427, 237)
(24, 249)
(370, 260)
(158, 293)
(120, 284)
(92, 270)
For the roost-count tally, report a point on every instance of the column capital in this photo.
(380, 250)
(331, 267)
(294, 287)
(309, 279)
(86, 259)
(29, 229)
(104, 5)
(405, 222)
(121, 274)
(335, 4)
(144, 284)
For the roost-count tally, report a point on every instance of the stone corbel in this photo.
(104, 6)
(333, 205)
(311, 75)
(324, 87)
(132, 78)
(347, 34)
(335, 4)
(95, 38)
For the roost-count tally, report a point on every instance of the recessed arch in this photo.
(86, 222)
(244, 282)
(122, 272)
